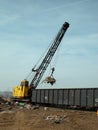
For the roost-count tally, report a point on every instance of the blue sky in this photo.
(28, 27)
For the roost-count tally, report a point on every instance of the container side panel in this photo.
(34, 96)
(38, 96)
(55, 96)
(42, 95)
(83, 98)
(71, 97)
(90, 98)
(60, 97)
(50, 96)
(66, 97)
(96, 98)
(77, 97)
(46, 96)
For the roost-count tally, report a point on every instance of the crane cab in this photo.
(22, 90)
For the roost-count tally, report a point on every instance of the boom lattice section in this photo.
(47, 59)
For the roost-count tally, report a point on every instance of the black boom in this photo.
(47, 59)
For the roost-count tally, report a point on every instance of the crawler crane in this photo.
(24, 91)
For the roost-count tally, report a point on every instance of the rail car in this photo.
(86, 98)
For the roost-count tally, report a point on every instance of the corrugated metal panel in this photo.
(96, 98)
(34, 96)
(50, 96)
(60, 96)
(66, 97)
(77, 97)
(90, 98)
(38, 96)
(42, 96)
(71, 97)
(46, 98)
(55, 96)
(83, 98)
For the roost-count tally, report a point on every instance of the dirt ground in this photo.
(43, 118)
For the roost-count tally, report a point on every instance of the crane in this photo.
(46, 61)
(25, 89)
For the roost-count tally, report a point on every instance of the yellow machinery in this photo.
(25, 89)
(22, 90)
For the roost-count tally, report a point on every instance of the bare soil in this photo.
(18, 118)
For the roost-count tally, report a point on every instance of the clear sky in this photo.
(28, 27)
